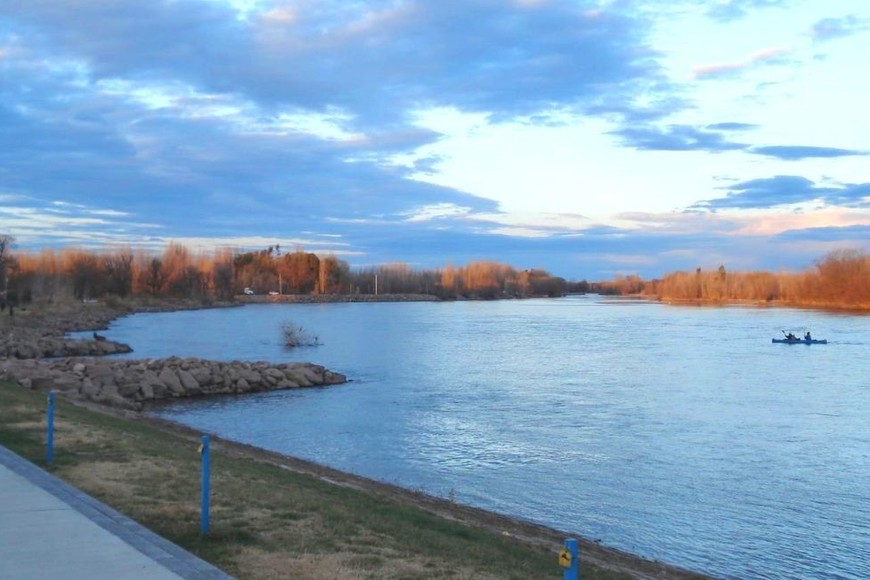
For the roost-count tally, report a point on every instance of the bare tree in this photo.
(85, 273)
(223, 280)
(155, 276)
(118, 271)
(7, 263)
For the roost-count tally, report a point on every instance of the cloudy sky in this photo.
(587, 137)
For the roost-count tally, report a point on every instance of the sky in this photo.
(588, 138)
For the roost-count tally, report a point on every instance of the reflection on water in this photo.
(681, 434)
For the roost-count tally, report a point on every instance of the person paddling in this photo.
(807, 336)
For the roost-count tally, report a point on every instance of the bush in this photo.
(297, 336)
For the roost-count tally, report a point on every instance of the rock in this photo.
(129, 389)
(332, 378)
(43, 383)
(298, 377)
(251, 376)
(203, 374)
(100, 374)
(68, 384)
(89, 389)
(79, 368)
(146, 391)
(190, 384)
(172, 382)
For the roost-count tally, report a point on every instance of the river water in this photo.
(681, 434)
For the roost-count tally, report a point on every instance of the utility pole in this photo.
(280, 281)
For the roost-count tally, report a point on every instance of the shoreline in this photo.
(529, 533)
(332, 298)
(741, 303)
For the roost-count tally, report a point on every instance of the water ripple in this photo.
(623, 422)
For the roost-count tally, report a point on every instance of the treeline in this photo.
(841, 279)
(177, 272)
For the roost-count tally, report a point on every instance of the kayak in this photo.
(799, 341)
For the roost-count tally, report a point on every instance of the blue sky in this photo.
(589, 138)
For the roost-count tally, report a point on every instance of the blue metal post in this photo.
(572, 571)
(49, 444)
(203, 527)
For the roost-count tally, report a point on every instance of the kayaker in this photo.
(807, 336)
(791, 336)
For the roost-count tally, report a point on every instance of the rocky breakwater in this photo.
(130, 384)
(40, 332)
(26, 343)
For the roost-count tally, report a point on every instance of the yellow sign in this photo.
(565, 558)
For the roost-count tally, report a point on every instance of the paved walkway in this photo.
(49, 529)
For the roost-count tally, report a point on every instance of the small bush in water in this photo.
(294, 335)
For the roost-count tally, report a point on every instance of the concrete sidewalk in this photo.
(49, 529)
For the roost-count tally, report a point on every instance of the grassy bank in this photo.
(267, 520)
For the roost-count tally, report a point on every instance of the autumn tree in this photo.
(256, 270)
(333, 275)
(300, 272)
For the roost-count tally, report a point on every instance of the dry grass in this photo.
(266, 522)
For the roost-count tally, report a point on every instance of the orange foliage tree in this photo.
(841, 279)
(177, 272)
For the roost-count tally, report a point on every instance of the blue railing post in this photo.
(569, 560)
(203, 522)
(49, 440)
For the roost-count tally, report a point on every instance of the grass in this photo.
(266, 520)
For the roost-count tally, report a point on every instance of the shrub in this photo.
(294, 336)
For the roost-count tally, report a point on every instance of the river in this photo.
(681, 434)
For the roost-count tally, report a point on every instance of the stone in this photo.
(89, 389)
(251, 376)
(189, 383)
(128, 389)
(172, 382)
(68, 384)
(203, 374)
(296, 376)
(147, 391)
(43, 383)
